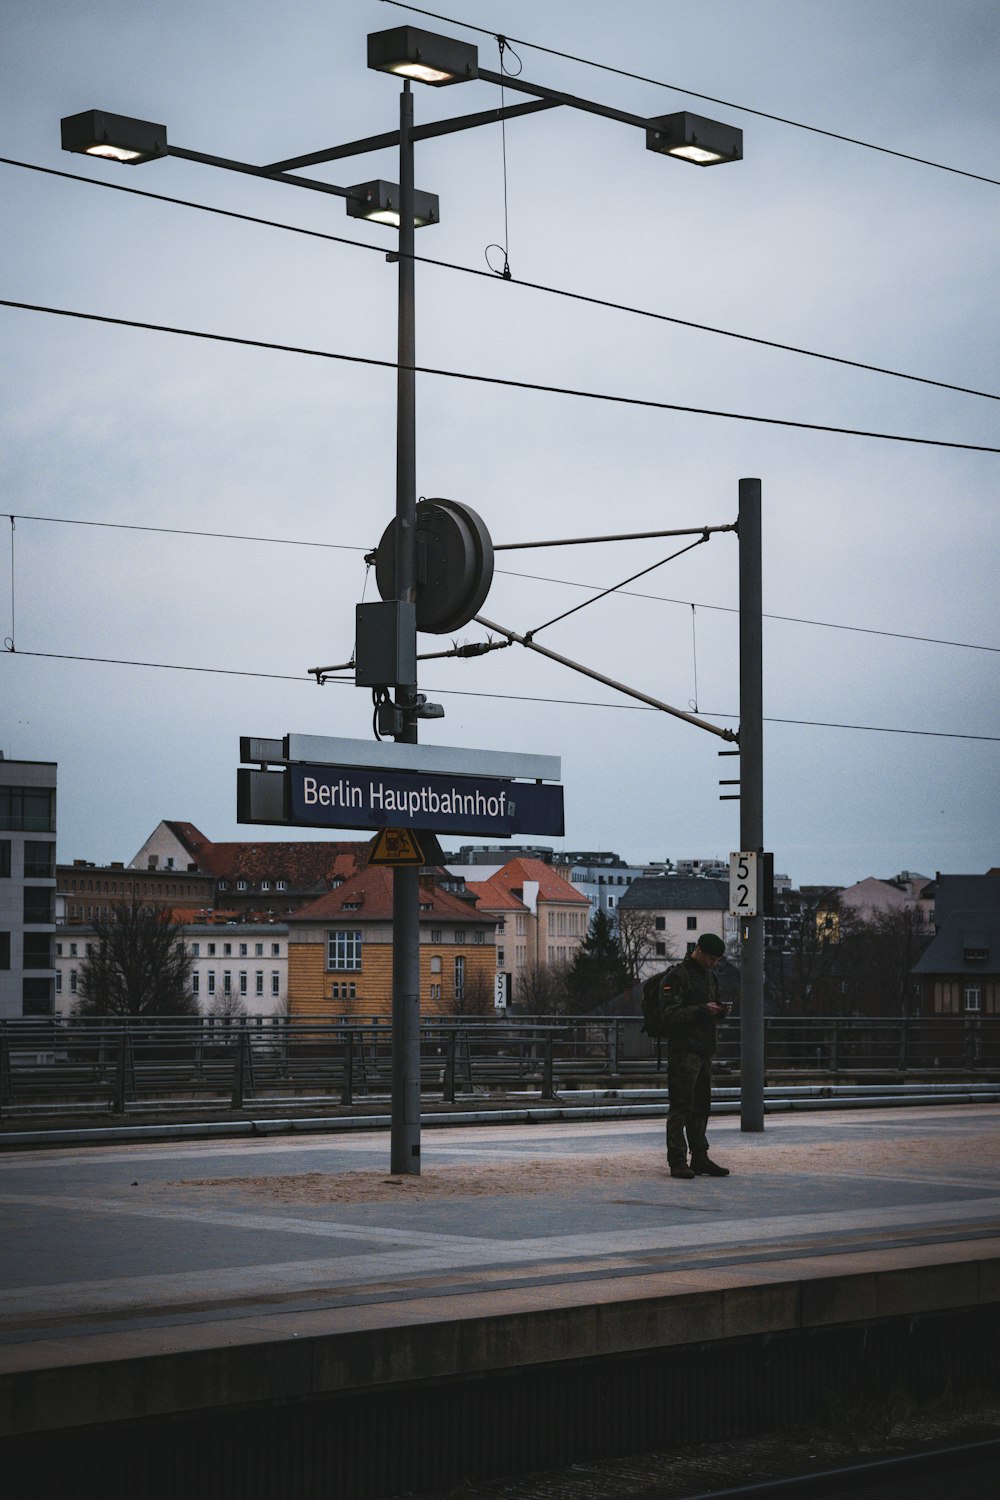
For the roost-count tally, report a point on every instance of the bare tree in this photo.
(137, 966)
(476, 998)
(227, 1006)
(637, 940)
(542, 989)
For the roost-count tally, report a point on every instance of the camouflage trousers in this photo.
(689, 1081)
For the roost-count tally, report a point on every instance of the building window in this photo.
(661, 950)
(73, 976)
(501, 960)
(27, 809)
(195, 981)
(227, 982)
(265, 885)
(259, 982)
(243, 950)
(520, 926)
(211, 950)
(692, 924)
(227, 950)
(436, 964)
(37, 950)
(343, 949)
(459, 934)
(660, 923)
(38, 860)
(973, 996)
(281, 885)
(195, 950)
(258, 950)
(38, 903)
(435, 992)
(479, 936)
(460, 978)
(58, 980)
(275, 950)
(4, 950)
(611, 902)
(241, 885)
(435, 934)
(243, 982)
(223, 885)
(275, 983)
(4, 858)
(211, 981)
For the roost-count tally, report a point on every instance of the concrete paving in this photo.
(516, 1244)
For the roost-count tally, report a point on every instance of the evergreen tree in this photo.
(598, 972)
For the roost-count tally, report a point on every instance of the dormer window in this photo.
(351, 906)
(241, 885)
(265, 885)
(976, 954)
(281, 885)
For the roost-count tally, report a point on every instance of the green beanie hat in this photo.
(709, 943)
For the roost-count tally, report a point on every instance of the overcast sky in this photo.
(809, 241)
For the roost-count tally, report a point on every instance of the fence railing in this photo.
(76, 1065)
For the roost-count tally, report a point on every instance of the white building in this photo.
(238, 969)
(27, 886)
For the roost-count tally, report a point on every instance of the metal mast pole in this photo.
(751, 804)
(405, 1134)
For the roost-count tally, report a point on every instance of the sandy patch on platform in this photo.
(919, 1156)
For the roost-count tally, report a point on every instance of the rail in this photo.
(70, 1066)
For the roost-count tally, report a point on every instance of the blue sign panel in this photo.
(349, 797)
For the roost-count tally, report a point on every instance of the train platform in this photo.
(539, 1290)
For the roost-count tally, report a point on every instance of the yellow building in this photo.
(340, 950)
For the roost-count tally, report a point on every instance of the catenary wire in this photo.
(569, 583)
(677, 88)
(646, 403)
(116, 661)
(535, 286)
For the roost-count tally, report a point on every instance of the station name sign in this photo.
(317, 782)
(352, 797)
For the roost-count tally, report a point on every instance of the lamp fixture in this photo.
(695, 139)
(379, 202)
(422, 55)
(95, 133)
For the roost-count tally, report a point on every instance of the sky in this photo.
(140, 655)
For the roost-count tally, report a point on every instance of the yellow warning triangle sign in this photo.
(396, 846)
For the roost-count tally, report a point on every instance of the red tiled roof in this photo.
(494, 897)
(551, 887)
(304, 866)
(372, 889)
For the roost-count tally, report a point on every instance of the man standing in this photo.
(689, 1009)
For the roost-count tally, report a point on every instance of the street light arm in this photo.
(619, 687)
(229, 165)
(572, 101)
(419, 133)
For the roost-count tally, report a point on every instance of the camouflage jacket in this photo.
(685, 992)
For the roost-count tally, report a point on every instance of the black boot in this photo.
(703, 1167)
(682, 1170)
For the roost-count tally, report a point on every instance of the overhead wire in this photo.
(677, 88)
(234, 536)
(643, 402)
(505, 697)
(537, 286)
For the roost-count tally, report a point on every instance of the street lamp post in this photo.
(425, 57)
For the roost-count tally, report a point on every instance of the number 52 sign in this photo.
(743, 884)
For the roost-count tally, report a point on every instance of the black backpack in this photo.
(652, 1015)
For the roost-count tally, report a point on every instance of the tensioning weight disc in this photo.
(454, 565)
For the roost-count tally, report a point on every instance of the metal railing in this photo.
(75, 1065)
